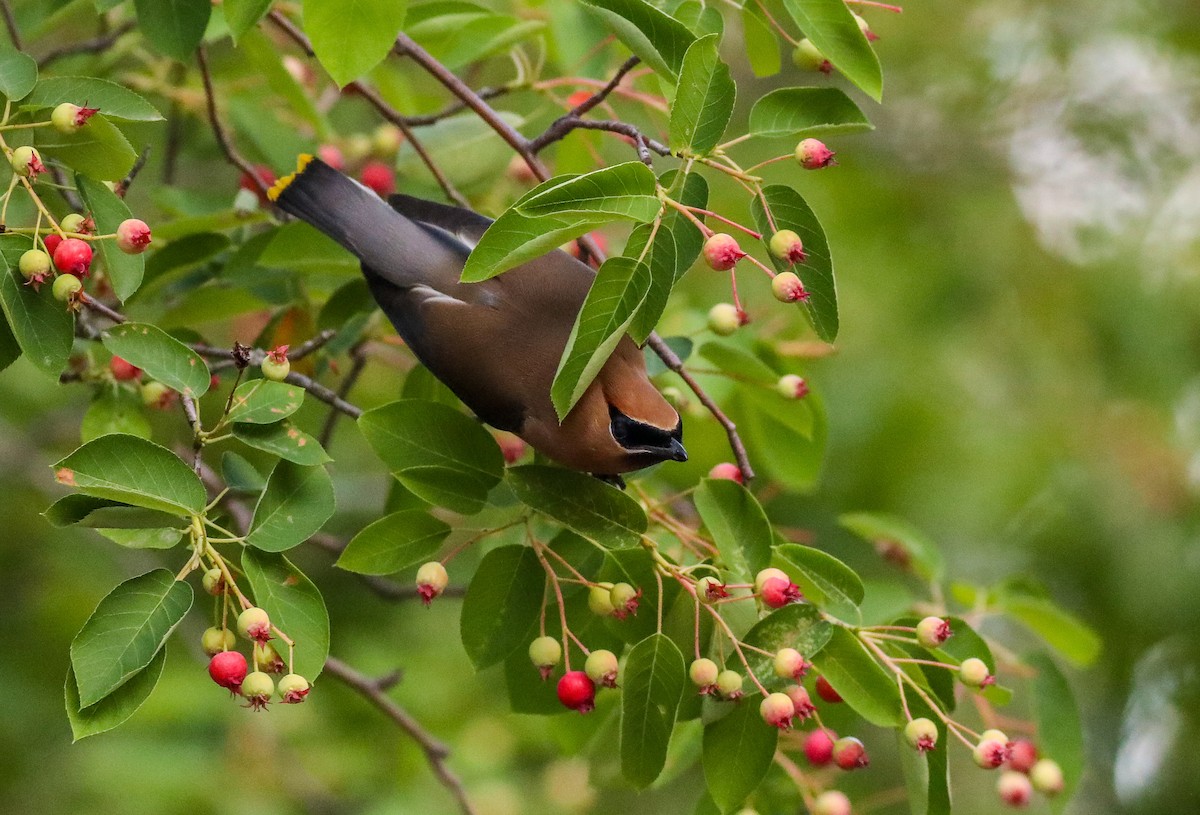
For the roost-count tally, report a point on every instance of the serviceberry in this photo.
(267, 659)
(26, 162)
(724, 319)
(600, 599)
(65, 287)
(133, 236)
(786, 245)
(157, 395)
(721, 252)
(576, 691)
(826, 691)
(812, 154)
(778, 592)
(818, 747)
(703, 673)
(380, 178)
(1047, 777)
(74, 223)
(710, 589)
(624, 598)
(214, 579)
(68, 118)
(801, 701)
(791, 664)
(545, 653)
(432, 580)
(292, 688)
(216, 640)
(849, 753)
(933, 631)
(990, 753)
(831, 802)
(729, 684)
(1022, 755)
(275, 365)
(791, 386)
(257, 690)
(974, 673)
(1014, 788)
(254, 624)
(601, 667)
(808, 57)
(777, 710)
(228, 669)
(73, 256)
(787, 288)
(726, 472)
(921, 734)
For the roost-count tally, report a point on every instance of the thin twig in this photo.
(100, 308)
(435, 751)
(256, 355)
(566, 124)
(223, 140)
(123, 185)
(324, 394)
(356, 368)
(95, 45)
(11, 22)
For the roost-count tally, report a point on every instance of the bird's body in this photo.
(495, 344)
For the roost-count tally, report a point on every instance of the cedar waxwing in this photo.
(495, 344)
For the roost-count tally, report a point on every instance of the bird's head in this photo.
(645, 440)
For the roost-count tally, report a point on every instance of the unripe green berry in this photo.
(1047, 777)
(216, 640)
(791, 386)
(156, 395)
(213, 581)
(601, 667)
(432, 579)
(34, 262)
(26, 162)
(545, 653)
(724, 319)
(729, 684)
(703, 672)
(785, 245)
(600, 599)
(807, 57)
(72, 223)
(777, 710)
(276, 370)
(624, 599)
(933, 631)
(258, 688)
(63, 117)
(788, 288)
(254, 624)
(267, 659)
(65, 287)
(710, 589)
(292, 689)
(921, 734)
(974, 673)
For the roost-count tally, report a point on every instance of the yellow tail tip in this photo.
(279, 186)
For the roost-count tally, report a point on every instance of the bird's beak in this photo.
(676, 451)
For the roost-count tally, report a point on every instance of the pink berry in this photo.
(1014, 788)
(601, 667)
(73, 256)
(818, 747)
(778, 592)
(831, 802)
(826, 691)
(432, 580)
(777, 710)
(921, 734)
(791, 664)
(791, 386)
(293, 689)
(1022, 755)
(254, 624)
(766, 574)
(122, 371)
(721, 252)
(511, 447)
(264, 174)
(380, 178)
(133, 236)
(787, 288)
(332, 155)
(801, 701)
(990, 753)
(576, 691)
(849, 753)
(228, 669)
(726, 471)
(813, 154)
(257, 690)
(786, 245)
(933, 631)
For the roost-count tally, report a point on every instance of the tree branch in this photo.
(359, 358)
(223, 140)
(565, 124)
(95, 45)
(435, 751)
(123, 185)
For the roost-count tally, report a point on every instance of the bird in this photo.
(497, 343)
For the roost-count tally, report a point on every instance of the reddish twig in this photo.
(223, 140)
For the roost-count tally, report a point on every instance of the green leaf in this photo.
(617, 292)
(563, 207)
(789, 436)
(113, 100)
(652, 685)
(733, 359)
(457, 33)
(240, 474)
(443, 456)
(798, 626)
(174, 27)
(161, 356)
(115, 410)
(350, 37)
(114, 709)
(295, 505)
(125, 632)
(927, 775)
(738, 750)
(704, 99)
(762, 44)
(108, 211)
(660, 40)
(796, 112)
(18, 73)
(1060, 630)
(677, 244)
(151, 538)
(265, 59)
(262, 401)
(821, 576)
(789, 211)
(43, 327)
(134, 471)
(1059, 728)
(294, 604)
(855, 674)
(10, 349)
(832, 28)
(502, 604)
(243, 15)
(890, 530)
(586, 505)
(283, 439)
(99, 150)
(86, 510)
(394, 542)
(738, 525)
(465, 147)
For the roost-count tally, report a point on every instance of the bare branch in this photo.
(223, 139)
(359, 358)
(95, 45)
(95, 305)
(565, 124)
(602, 94)
(435, 751)
(123, 185)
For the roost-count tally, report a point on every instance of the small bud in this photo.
(812, 154)
(724, 319)
(791, 664)
(624, 598)
(228, 669)
(791, 386)
(721, 252)
(65, 287)
(293, 688)
(826, 691)
(786, 245)
(216, 640)
(257, 690)
(933, 631)
(729, 684)
(921, 734)
(990, 753)
(68, 118)
(974, 673)
(777, 710)
(703, 673)
(1022, 755)
(710, 589)
(600, 599)
(545, 653)
(849, 753)
(214, 579)
(788, 288)
(133, 236)
(576, 691)
(26, 162)
(778, 592)
(801, 701)
(601, 667)
(807, 57)
(432, 580)
(254, 624)
(818, 747)
(726, 471)
(1047, 777)
(831, 802)
(1014, 789)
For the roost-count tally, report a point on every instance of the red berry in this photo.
(1014, 789)
(813, 154)
(818, 747)
(1022, 755)
(122, 371)
(826, 691)
(801, 701)
(849, 753)
(228, 669)
(264, 174)
(721, 252)
(578, 98)
(778, 592)
(727, 471)
(380, 178)
(577, 691)
(51, 243)
(73, 256)
(331, 155)
(133, 236)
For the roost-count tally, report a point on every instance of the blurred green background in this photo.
(1018, 248)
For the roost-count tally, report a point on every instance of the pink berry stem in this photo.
(783, 32)
(930, 662)
(756, 235)
(579, 643)
(716, 615)
(890, 637)
(770, 272)
(793, 771)
(873, 628)
(649, 100)
(552, 578)
(762, 197)
(697, 628)
(737, 301)
(784, 157)
(704, 230)
(903, 699)
(873, 4)
(570, 568)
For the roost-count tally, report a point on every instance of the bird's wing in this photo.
(463, 224)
